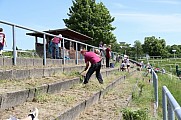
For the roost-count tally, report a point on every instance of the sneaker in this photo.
(34, 114)
(101, 82)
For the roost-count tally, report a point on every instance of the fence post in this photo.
(14, 45)
(164, 103)
(44, 49)
(86, 47)
(63, 50)
(171, 115)
(155, 84)
(76, 53)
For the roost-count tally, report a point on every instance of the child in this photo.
(123, 66)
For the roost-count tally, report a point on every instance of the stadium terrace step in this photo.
(13, 94)
(29, 62)
(69, 103)
(38, 72)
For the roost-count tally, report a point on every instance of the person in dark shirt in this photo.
(108, 55)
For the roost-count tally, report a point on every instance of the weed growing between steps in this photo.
(109, 106)
(46, 98)
(14, 85)
(141, 106)
(52, 105)
(129, 114)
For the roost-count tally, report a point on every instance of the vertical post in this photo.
(76, 53)
(44, 49)
(14, 46)
(86, 47)
(155, 84)
(36, 41)
(164, 103)
(171, 114)
(93, 49)
(63, 41)
(156, 91)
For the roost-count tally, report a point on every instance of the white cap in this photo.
(60, 35)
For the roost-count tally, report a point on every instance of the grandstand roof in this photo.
(66, 32)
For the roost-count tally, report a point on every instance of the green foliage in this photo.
(25, 53)
(129, 114)
(154, 46)
(172, 84)
(141, 85)
(138, 48)
(92, 19)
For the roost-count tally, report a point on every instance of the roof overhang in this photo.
(66, 32)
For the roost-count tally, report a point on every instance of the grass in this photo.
(171, 82)
(173, 86)
(9, 85)
(142, 97)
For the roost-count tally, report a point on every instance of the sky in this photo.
(134, 19)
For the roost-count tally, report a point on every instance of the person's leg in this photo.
(107, 62)
(53, 50)
(98, 74)
(1, 49)
(57, 51)
(89, 73)
(128, 68)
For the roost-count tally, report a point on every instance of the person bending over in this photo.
(95, 60)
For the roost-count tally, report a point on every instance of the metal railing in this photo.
(44, 42)
(172, 108)
(155, 85)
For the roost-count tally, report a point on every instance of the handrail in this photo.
(173, 106)
(155, 85)
(44, 43)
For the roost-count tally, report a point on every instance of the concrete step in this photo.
(13, 93)
(67, 104)
(36, 72)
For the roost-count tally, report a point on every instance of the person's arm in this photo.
(87, 65)
(5, 42)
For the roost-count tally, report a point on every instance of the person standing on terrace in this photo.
(95, 61)
(108, 55)
(2, 41)
(55, 48)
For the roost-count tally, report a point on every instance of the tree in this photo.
(154, 46)
(92, 19)
(138, 48)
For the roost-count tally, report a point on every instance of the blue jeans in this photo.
(55, 51)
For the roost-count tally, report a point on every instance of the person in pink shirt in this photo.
(95, 60)
(55, 48)
(2, 40)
